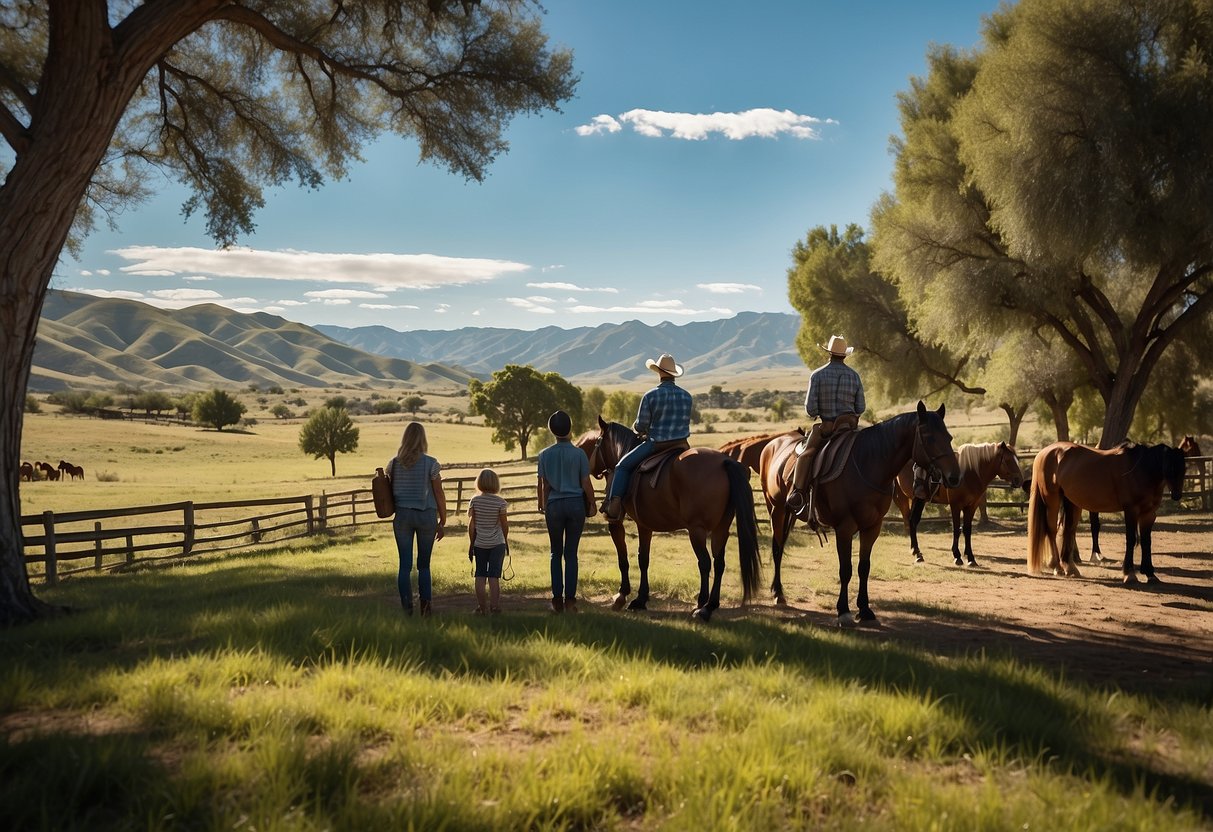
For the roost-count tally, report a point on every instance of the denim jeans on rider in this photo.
(625, 467)
(421, 525)
(565, 520)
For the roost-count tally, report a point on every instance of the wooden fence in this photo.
(63, 543)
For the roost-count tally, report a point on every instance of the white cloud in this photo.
(397, 271)
(570, 287)
(290, 303)
(530, 305)
(186, 294)
(348, 294)
(650, 307)
(111, 293)
(85, 273)
(195, 278)
(334, 301)
(762, 122)
(103, 272)
(541, 299)
(728, 288)
(552, 268)
(598, 124)
(386, 306)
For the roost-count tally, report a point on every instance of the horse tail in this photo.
(742, 498)
(1039, 534)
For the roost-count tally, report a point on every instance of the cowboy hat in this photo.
(665, 364)
(837, 345)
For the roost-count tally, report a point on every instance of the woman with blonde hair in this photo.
(420, 513)
(489, 530)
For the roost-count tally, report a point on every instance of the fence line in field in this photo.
(63, 543)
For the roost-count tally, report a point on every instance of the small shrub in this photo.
(107, 476)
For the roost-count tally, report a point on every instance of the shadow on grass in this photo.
(314, 614)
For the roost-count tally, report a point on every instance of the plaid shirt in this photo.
(834, 389)
(665, 413)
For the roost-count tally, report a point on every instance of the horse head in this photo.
(1174, 466)
(933, 446)
(614, 440)
(1189, 447)
(1008, 465)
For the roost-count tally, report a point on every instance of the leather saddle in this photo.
(830, 460)
(655, 465)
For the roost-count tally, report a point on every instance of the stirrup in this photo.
(796, 501)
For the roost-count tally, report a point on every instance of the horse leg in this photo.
(1129, 576)
(1096, 555)
(969, 511)
(641, 601)
(781, 523)
(842, 542)
(1147, 557)
(1068, 564)
(915, 516)
(619, 538)
(706, 602)
(867, 538)
(956, 535)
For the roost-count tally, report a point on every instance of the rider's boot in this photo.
(613, 508)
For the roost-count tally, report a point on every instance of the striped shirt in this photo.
(412, 487)
(665, 413)
(834, 389)
(486, 510)
(563, 466)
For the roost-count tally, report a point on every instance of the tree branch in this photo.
(14, 132)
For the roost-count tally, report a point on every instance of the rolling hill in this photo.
(89, 342)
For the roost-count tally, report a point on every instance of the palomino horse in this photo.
(979, 465)
(856, 501)
(701, 491)
(1187, 446)
(74, 472)
(748, 449)
(1071, 477)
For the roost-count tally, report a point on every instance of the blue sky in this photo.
(705, 139)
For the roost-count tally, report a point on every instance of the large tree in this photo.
(328, 432)
(1058, 178)
(518, 400)
(228, 96)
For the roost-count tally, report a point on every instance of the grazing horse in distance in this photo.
(26, 472)
(857, 499)
(979, 465)
(48, 470)
(72, 471)
(700, 490)
(1067, 478)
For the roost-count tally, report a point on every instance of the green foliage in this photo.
(621, 406)
(328, 432)
(218, 409)
(31, 405)
(152, 402)
(593, 405)
(337, 402)
(518, 401)
(386, 406)
(780, 409)
(413, 403)
(281, 411)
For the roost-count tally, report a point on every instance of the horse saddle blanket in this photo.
(830, 460)
(655, 464)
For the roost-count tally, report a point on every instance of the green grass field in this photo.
(284, 689)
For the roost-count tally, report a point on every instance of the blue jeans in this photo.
(566, 520)
(625, 467)
(422, 523)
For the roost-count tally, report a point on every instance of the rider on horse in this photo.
(835, 399)
(663, 419)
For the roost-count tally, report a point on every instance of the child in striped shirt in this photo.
(489, 529)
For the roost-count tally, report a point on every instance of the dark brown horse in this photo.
(857, 500)
(1187, 446)
(979, 465)
(748, 449)
(1067, 478)
(49, 471)
(68, 470)
(702, 491)
(26, 472)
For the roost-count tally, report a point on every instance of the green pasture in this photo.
(284, 689)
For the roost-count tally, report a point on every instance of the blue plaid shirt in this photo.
(834, 389)
(665, 413)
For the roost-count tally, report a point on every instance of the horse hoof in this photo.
(1072, 572)
(618, 602)
(972, 564)
(1153, 579)
(867, 616)
(918, 558)
(846, 620)
(957, 561)
(780, 601)
(702, 614)
(637, 604)
(1129, 579)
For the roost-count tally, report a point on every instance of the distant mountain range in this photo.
(85, 341)
(610, 352)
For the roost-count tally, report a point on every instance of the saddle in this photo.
(830, 460)
(656, 464)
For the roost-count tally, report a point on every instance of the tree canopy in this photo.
(518, 401)
(229, 97)
(218, 409)
(328, 432)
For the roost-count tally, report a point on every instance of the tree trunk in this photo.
(1121, 405)
(1015, 420)
(1061, 415)
(77, 110)
(333, 464)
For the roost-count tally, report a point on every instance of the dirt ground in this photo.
(1140, 637)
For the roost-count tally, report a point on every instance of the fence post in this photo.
(324, 511)
(458, 496)
(311, 514)
(1204, 492)
(97, 545)
(353, 508)
(187, 539)
(256, 531)
(130, 548)
(52, 560)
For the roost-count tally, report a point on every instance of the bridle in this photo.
(933, 470)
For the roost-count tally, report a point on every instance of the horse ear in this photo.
(1002, 446)
(601, 423)
(942, 409)
(922, 410)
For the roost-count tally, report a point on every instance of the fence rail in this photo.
(64, 543)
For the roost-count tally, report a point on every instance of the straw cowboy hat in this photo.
(837, 345)
(665, 364)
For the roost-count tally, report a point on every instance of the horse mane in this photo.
(971, 456)
(880, 439)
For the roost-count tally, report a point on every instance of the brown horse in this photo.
(50, 472)
(979, 465)
(26, 472)
(1067, 478)
(1187, 446)
(857, 500)
(702, 491)
(74, 472)
(748, 449)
